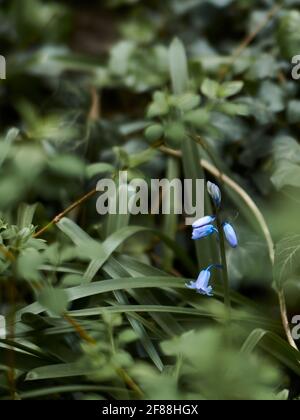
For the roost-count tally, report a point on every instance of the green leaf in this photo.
(5, 146)
(66, 370)
(22, 361)
(175, 133)
(145, 156)
(115, 240)
(198, 118)
(178, 67)
(252, 341)
(53, 300)
(186, 102)
(293, 111)
(99, 253)
(289, 34)
(287, 257)
(25, 215)
(229, 89)
(170, 220)
(286, 174)
(272, 95)
(275, 346)
(286, 148)
(234, 108)
(133, 267)
(114, 270)
(120, 57)
(28, 264)
(67, 389)
(143, 282)
(127, 336)
(67, 165)
(210, 88)
(154, 132)
(287, 159)
(99, 169)
(159, 106)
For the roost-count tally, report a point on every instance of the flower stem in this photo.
(227, 300)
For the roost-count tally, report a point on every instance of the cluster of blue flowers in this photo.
(205, 227)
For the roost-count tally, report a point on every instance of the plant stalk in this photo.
(227, 300)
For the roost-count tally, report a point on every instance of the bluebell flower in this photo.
(215, 192)
(203, 232)
(201, 285)
(204, 221)
(230, 235)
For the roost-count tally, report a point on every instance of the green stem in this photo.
(227, 300)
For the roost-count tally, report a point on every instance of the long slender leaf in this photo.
(178, 67)
(170, 220)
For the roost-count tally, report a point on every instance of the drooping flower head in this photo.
(203, 232)
(204, 221)
(230, 235)
(215, 193)
(201, 285)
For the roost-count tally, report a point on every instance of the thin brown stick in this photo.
(73, 206)
(95, 109)
(130, 382)
(83, 334)
(285, 321)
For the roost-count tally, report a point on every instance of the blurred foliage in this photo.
(96, 307)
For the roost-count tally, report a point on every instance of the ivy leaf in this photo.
(286, 147)
(287, 157)
(293, 111)
(289, 34)
(272, 95)
(287, 259)
(286, 174)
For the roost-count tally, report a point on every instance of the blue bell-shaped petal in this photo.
(230, 235)
(215, 192)
(203, 232)
(201, 285)
(204, 221)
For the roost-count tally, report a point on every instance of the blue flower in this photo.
(201, 285)
(204, 221)
(215, 193)
(203, 232)
(230, 235)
